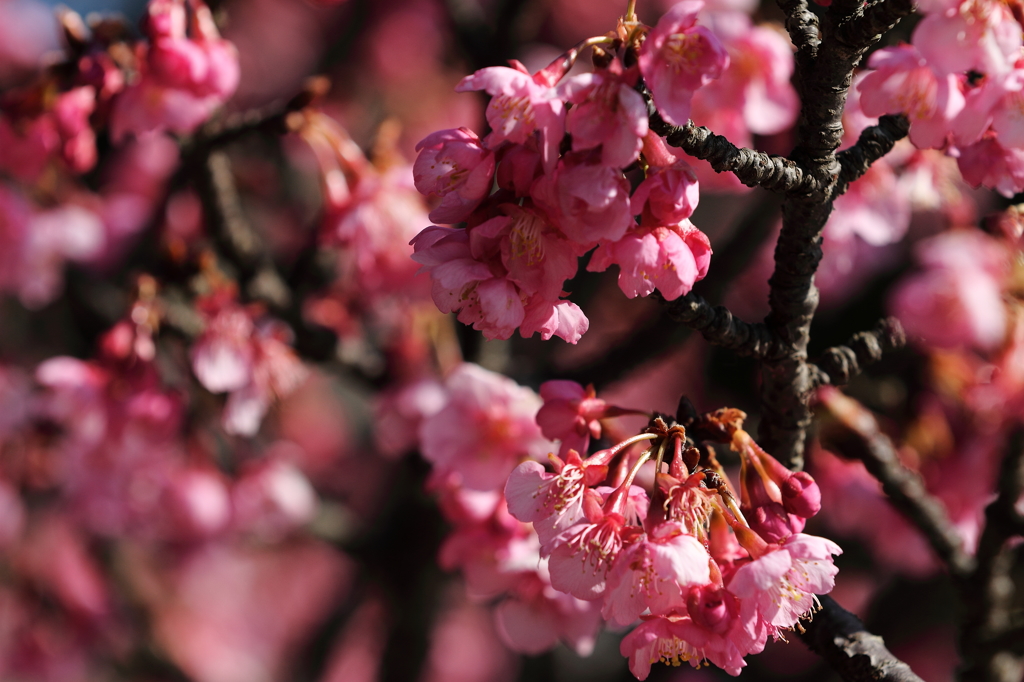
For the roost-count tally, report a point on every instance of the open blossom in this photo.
(537, 258)
(521, 105)
(988, 163)
(666, 640)
(782, 582)
(669, 258)
(584, 553)
(964, 35)
(536, 616)
(904, 82)
(678, 57)
(454, 166)
(552, 502)
(485, 430)
(995, 104)
(654, 572)
(609, 113)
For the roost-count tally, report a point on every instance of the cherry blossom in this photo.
(678, 57)
(669, 258)
(485, 430)
(522, 105)
(454, 166)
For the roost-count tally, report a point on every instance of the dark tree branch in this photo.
(839, 637)
(854, 433)
(839, 364)
(823, 84)
(754, 169)
(722, 328)
(988, 592)
(867, 26)
(802, 25)
(874, 143)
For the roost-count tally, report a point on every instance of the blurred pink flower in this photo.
(485, 430)
(958, 299)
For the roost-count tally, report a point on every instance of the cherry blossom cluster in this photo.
(960, 83)
(708, 575)
(557, 151)
(106, 82)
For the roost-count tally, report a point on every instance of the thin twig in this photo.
(839, 364)
(719, 326)
(988, 592)
(854, 433)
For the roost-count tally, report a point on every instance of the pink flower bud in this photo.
(801, 496)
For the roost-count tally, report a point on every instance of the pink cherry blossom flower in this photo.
(958, 299)
(588, 201)
(251, 362)
(654, 572)
(994, 103)
(536, 616)
(521, 106)
(537, 257)
(454, 166)
(563, 319)
(184, 74)
(668, 258)
(729, 634)
(583, 555)
(756, 84)
(552, 502)
(667, 196)
(503, 274)
(485, 430)
(687, 502)
(374, 223)
(782, 582)
(988, 163)
(904, 82)
(570, 414)
(668, 640)
(965, 35)
(679, 57)
(609, 113)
